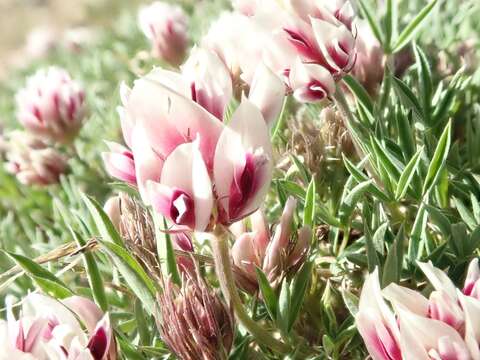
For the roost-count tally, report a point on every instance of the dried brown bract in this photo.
(195, 323)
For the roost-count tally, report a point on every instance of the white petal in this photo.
(267, 92)
(438, 279)
(409, 299)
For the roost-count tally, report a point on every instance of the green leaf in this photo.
(283, 307)
(390, 22)
(298, 289)
(407, 97)
(136, 278)
(394, 262)
(268, 294)
(361, 177)
(438, 160)
(409, 32)
(465, 214)
(309, 212)
(372, 256)
(102, 221)
(301, 168)
(440, 220)
(360, 93)
(171, 261)
(142, 323)
(405, 134)
(386, 159)
(369, 15)
(426, 83)
(44, 279)
(351, 302)
(475, 207)
(279, 122)
(93, 274)
(407, 175)
(351, 200)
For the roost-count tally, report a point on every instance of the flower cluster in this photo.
(47, 329)
(188, 163)
(52, 109)
(310, 44)
(443, 326)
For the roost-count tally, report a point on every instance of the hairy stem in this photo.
(227, 284)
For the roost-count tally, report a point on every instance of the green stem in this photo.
(227, 284)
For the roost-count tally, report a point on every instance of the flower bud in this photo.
(112, 209)
(52, 105)
(32, 161)
(276, 255)
(166, 26)
(195, 323)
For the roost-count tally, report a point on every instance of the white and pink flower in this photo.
(443, 326)
(184, 159)
(48, 329)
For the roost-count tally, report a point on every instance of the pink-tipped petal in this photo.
(148, 164)
(209, 80)
(170, 119)
(409, 299)
(439, 280)
(244, 152)
(185, 169)
(86, 310)
(310, 82)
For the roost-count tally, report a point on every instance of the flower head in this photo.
(33, 161)
(166, 26)
(52, 105)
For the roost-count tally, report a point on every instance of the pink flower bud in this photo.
(112, 208)
(52, 105)
(276, 255)
(32, 161)
(209, 80)
(166, 26)
(267, 92)
(222, 38)
(246, 7)
(442, 307)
